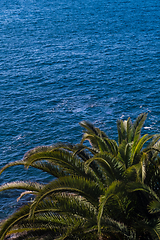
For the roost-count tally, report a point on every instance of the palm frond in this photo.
(124, 153)
(91, 129)
(113, 229)
(112, 146)
(66, 163)
(137, 127)
(78, 185)
(77, 205)
(122, 131)
(31, 186)
(45, 166)
(19, 162)
(129, 127)
(138, 186)
(112, 167)
(133, 173)
(14, 219)
(80, 151)
(155, 143)
(154, 206)
(137, 146)
(111, 192)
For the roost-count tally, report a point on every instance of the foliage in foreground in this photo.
(107, 190)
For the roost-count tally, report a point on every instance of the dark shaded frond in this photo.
(111, 166)
(154, 207)
(112, 191)
(112, 229)
(137, 186)
(91, 129)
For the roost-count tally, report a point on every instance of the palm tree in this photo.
(101, 191)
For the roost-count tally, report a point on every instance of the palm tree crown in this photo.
(104, 190)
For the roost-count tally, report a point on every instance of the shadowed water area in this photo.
(65, 61)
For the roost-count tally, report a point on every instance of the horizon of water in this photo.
(65, 61)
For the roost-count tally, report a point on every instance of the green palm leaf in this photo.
(111, 192)
(92, 130)
(137, 146)
(137, 126)
(154, 207)
(122, 131)
(31, 186)
(14, 219)
(43, 165)
(78, 185)
(112, 167)
(64, 160)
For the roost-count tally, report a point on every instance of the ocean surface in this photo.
(64, 61)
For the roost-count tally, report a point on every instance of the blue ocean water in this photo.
(65, 61)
